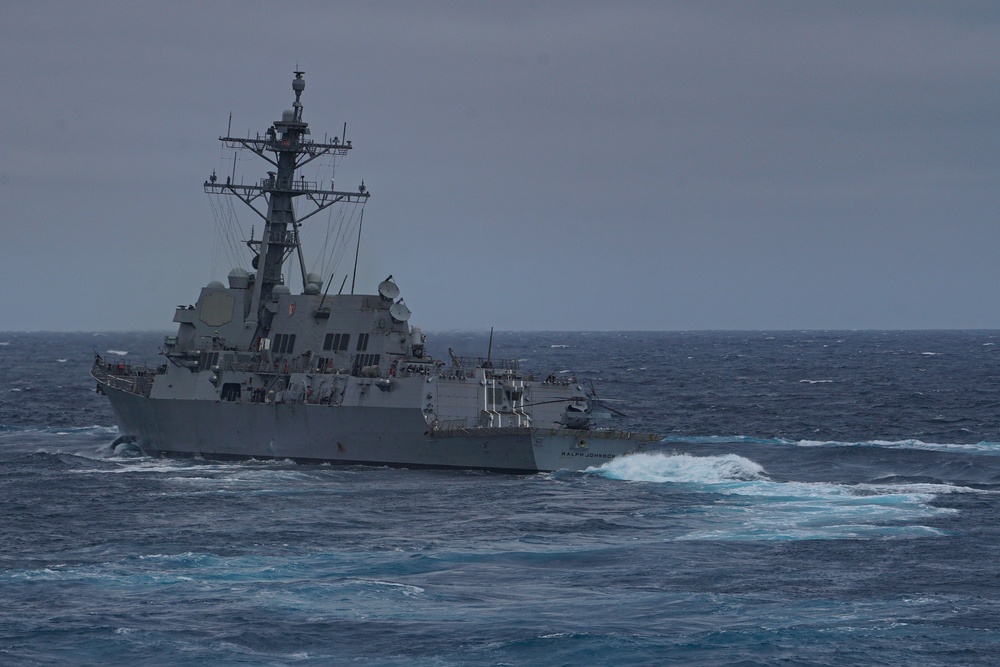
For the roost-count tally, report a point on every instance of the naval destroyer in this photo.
(257, 370)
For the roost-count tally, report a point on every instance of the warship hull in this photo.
(355, 435)
(259, 371)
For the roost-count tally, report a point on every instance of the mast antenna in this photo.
(328, 284)
(287, 148)
(358, 248)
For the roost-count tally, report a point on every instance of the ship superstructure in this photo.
(257, 371)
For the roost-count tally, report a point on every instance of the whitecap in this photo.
(405, 589)
(992, 448)
(120, 353)
(746, 504)
(717, 439)
(680, 468)
(132, 465)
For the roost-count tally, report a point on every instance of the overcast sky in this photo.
(534, 165)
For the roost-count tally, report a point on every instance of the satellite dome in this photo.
(288, 116)
(239, 278)
(312, 288)
(313, 277)
(279, 290)
(215, 284)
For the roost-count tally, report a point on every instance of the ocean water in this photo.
(820, 498)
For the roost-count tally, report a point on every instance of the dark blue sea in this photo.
(820, 498)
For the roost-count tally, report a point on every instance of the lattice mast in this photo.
(285, 146)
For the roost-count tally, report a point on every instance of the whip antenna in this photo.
(357, 250)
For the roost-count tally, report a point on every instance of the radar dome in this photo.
(278, 290)
(312, 288)
(239, 278)
(313, 277)
(215, 284)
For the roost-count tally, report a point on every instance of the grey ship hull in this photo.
(354, 435)
(257, 371)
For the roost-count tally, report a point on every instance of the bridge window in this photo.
(336, 342)
(284, 343)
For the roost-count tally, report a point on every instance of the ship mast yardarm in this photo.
(287, 141)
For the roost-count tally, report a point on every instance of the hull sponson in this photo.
(349, 436)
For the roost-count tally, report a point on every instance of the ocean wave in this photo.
(723, 439)
(734, 474)
(405, 589)
(989, 448)
(60, 432)
(748, 505)
(680, 468)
